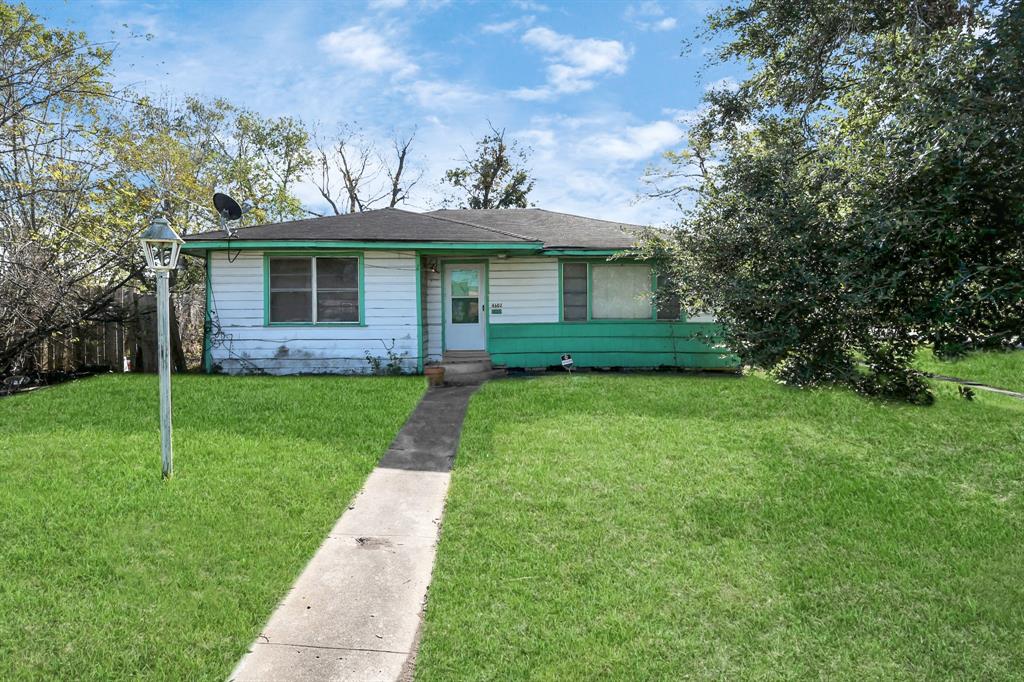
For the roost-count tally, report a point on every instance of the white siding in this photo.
(526, 288)
(246, 345)
(432, 281)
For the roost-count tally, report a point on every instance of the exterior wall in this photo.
(525, 288)
(245, 344)
(432, 313)
(609, 344)
(528, 331)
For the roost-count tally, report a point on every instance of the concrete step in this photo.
(472, 378)
(465, 362)
(454, 368)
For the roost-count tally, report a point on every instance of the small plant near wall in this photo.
(389, 364)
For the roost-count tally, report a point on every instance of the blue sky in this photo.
(598, 90)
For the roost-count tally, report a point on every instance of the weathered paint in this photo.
(633, 343)
(389, 300)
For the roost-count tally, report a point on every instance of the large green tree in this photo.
(862, 192)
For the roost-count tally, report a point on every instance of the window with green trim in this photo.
(620, 291)
(313, 289)
(606, 291)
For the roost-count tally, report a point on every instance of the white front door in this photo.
(465, 315)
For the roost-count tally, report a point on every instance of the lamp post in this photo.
(161, 245)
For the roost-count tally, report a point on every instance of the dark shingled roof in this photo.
(386, 224)
(555, 230)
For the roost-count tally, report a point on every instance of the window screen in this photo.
(574, 292)
(337, 289)
(668, 301)
(291, 290)
(621, 292)
(298, 283)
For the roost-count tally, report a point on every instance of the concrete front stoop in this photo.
(468, 367)
(354, 613)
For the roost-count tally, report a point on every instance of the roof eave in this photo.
(279, 244)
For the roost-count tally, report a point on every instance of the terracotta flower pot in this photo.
(435, 376)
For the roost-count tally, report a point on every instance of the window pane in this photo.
(291, 273)
(291, 306)
(336, 306)
(621, 292)
(574, 291)
(465, 310)
(668, 305)
(337, 273)
(465, 283)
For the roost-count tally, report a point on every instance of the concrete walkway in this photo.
(354, 612)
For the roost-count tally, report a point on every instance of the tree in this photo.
(83, 166)
(62, 252)
(352, 174)
(495, 177)
(862, 192)
(179, 153)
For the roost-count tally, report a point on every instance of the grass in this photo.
(671, 527)
(1002, 369)
(106, 572)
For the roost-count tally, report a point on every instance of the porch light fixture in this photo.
(161, 246)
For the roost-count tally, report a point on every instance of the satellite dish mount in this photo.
(229, 211)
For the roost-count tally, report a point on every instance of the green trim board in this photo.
(420, 331)
(236, 245)
(320, 254)
(590, 253)
(208, 319)
(636, 343)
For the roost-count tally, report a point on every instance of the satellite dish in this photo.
(227, 207)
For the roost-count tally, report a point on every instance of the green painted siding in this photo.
(635, 343)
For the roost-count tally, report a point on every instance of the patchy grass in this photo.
(670, 527)
(106, 572)
(1002, 369)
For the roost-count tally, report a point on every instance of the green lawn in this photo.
(108, 572)
(671, 527)
(1002, 369)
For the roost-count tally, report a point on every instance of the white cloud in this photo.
(367, 50)
(649, 16)
(508, 26)
(530, 5)
(385, 5)
(636, 143)
(443, 95)
(575, 62)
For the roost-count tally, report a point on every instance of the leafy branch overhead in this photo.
(496, 176)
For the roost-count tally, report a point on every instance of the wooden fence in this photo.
(127, 343)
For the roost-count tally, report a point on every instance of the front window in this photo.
(313, 289)
(621, 292)
(606, 291)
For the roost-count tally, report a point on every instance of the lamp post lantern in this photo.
(161, 245)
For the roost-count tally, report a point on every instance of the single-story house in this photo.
(357, 292)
